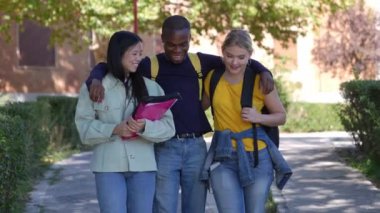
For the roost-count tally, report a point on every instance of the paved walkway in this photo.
(321, 182)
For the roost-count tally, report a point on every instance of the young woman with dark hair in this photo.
(116, 62)
(125, 169)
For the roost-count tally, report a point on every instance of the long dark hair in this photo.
(119, 43)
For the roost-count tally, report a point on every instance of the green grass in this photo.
(27, 186)
(312, 117)
(359, 161)
(270, 206)
(56, 155)
(369, 168)
(4, 98)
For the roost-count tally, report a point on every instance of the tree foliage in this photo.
(284, 20)
(72, 20)
(350, 43)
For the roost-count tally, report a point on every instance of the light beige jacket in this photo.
(96, 121)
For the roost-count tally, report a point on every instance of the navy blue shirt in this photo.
(189, 117)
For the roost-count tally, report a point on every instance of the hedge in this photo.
(22, 145)
(360, 115)
(29, 132)
(60, 112)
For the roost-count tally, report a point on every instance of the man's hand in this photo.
(266, 82)
(96, 91)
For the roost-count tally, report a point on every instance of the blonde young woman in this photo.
(125, 170)
(239, 183)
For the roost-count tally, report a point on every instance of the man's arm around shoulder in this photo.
(266, 78)
(94, 82)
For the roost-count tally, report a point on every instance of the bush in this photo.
(60, 113)
(312, 117)
(29, 134)
(361, 114)
(283, 91)
(34, 116)
(22, 146)
(12, 163)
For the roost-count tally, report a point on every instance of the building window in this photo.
(34, 46)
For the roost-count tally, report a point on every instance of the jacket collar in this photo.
(109, 82)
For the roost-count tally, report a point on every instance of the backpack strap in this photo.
(197, 66)
(194, 59)
(153, 67)
(246, 101)
(248, 85)
(215, 77)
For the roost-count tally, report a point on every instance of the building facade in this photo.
(31, 67)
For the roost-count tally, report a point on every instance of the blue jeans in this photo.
(121, 192)
(179, 164)
(230, 196)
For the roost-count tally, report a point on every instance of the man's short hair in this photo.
(175, 22)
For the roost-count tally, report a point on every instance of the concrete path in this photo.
(69, 187)
(320, 183)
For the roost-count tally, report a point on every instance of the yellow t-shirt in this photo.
(227, 108)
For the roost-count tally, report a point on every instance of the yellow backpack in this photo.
(194, 61)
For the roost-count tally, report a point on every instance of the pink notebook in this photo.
(154, 108)
(153, 111)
